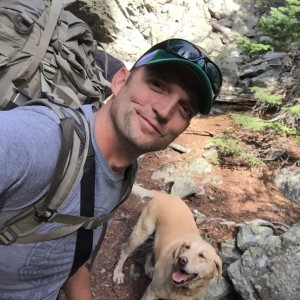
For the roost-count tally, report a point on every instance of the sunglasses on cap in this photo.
(186, 50)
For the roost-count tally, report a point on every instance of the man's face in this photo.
(153, 107)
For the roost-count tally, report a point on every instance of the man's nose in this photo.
(165, 108)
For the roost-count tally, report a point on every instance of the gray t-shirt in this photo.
(30, 139)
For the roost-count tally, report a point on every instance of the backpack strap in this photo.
(125, 192)
(21, 229)
(28, 72)
(69, 166)
(84, 239)
(73, 223)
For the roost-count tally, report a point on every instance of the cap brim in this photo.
(160, 57)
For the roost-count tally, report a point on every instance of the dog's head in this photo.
(195, 264)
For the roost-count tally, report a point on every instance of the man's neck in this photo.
(107, 140)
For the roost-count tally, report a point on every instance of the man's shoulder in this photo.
(36, 111)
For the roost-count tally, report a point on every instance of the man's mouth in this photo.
(151, 126)
(181, 277)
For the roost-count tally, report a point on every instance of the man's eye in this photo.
(186, 110)
(155, 84)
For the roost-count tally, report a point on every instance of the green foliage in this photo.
(293, 110)
(252, 48)
(257, 124)
(252, 123)
(283, 129)
(282, 25)
(214, 160)
(228, 145)
(262, 94)
(212, 157)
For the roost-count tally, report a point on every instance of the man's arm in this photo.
(78, 286)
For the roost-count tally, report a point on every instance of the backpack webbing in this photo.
(84, 238)
(22, 228)
(72, 155)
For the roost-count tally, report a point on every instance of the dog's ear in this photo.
(218, 267)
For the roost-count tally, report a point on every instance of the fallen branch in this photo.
(204, 133)
(274, 225)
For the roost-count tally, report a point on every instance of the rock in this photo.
(196, 166)
(250, 235)
(230, 252)
(199, 217)
(270, 270)
(185, 186)
(221, 290)
(268, 79)
(253, 70)
(287, 181)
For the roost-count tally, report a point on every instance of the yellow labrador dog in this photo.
(184, 262)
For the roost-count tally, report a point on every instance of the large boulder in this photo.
(269, 270)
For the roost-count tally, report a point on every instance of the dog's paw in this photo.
(118, 278)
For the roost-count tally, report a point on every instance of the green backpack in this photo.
(47, 57)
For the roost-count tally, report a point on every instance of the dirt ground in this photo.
(247, 193)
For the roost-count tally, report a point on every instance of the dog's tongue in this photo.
(181, 277)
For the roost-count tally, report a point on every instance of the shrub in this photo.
(281, 26)
(262, 94)
(251, 48)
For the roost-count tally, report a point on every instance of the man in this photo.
(150, 106)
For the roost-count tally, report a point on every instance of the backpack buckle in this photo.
(47, 70)
(45, 216)
(7, 236)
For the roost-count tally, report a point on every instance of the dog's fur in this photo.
(184, 262)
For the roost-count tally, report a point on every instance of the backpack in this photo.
(47, 57)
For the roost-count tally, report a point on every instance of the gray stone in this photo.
(184, 186)
(270, 270)
(268, 79)
(221, 290)
(253, 70)
(230, 252)
(250, 235)
(287, 181)
(191, 168)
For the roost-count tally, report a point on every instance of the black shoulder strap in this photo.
(84, 240)
(127, 184)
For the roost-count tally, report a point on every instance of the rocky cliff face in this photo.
(129, 28)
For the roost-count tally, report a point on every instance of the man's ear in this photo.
(119, 80)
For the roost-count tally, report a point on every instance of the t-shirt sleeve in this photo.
(30, 139)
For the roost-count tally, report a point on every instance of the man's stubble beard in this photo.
(124, 127)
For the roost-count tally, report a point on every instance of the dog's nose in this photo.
(182, 260)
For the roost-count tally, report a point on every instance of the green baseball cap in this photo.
(195, 60)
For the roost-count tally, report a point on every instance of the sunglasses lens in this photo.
(184, 49)
(214, 77)
(188, 51)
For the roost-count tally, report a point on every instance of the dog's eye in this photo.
(201, 255)
(186, 246)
